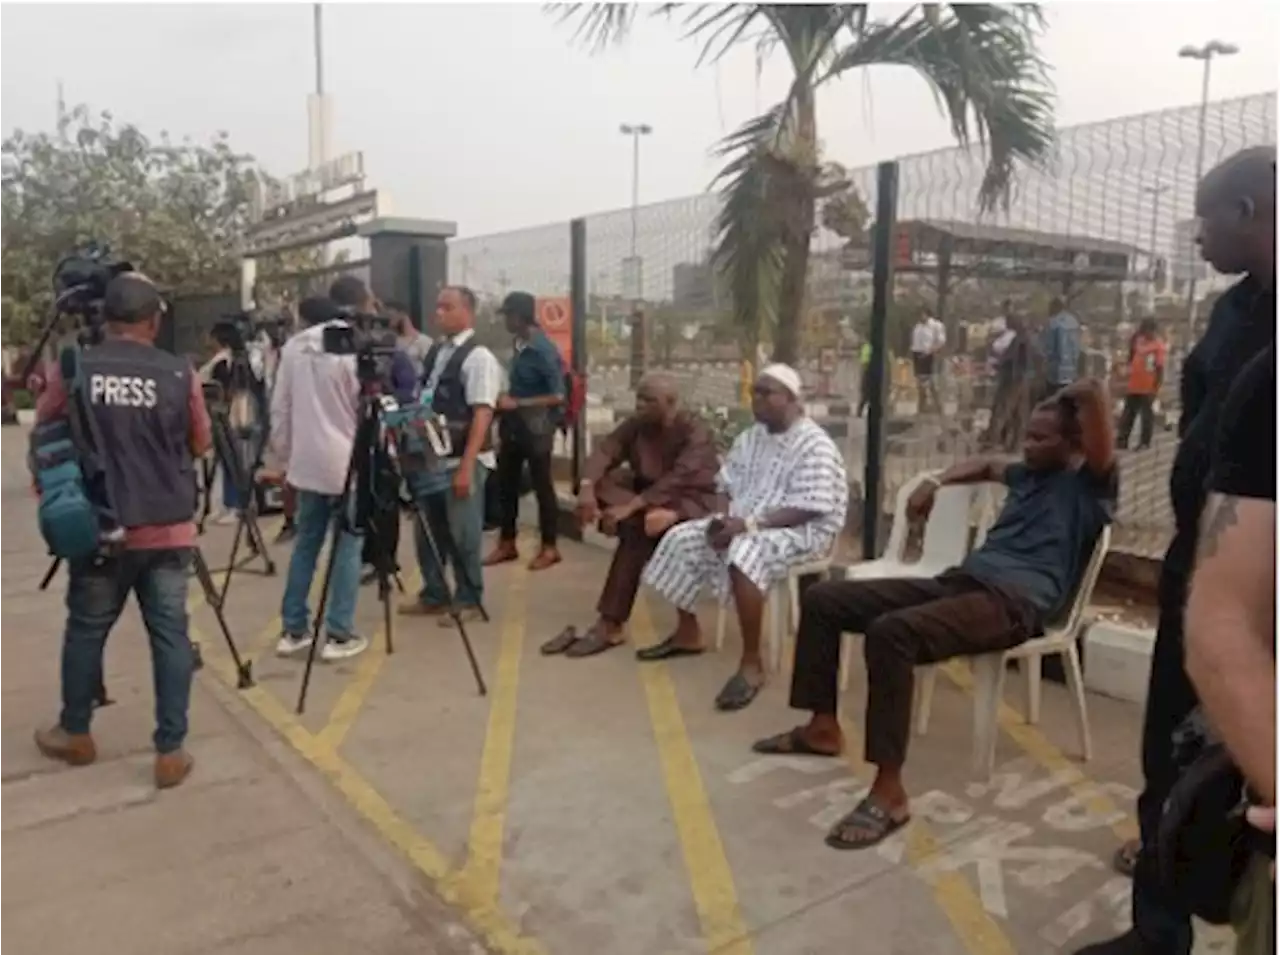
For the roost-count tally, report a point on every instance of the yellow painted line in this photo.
(978, 932)
(710, 877)
(1036, 745)
(480, 878)
(499, 932)
(356, 693)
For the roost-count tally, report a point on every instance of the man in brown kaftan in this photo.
(657, 469)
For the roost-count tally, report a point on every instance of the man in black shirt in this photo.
(1236, 205)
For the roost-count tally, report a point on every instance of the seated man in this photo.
(656, 469)
(1060, 497)
(787, 499)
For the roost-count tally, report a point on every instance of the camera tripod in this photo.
(371, 458)
(244, 668)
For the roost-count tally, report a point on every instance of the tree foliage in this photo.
(177, 211)
(980, 60)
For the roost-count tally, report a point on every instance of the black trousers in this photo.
(1158, 918)
(519, 450)
(1142, 409)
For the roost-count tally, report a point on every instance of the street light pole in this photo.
(1205, 54)
(638, 334)
(1155, 192)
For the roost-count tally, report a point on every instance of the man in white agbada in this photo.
(788, 494)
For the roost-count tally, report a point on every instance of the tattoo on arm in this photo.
(1220, 514)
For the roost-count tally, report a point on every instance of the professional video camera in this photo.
(369, 337)
(239, 329)
(80, 283)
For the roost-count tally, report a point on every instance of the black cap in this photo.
(519, 305)
(131, 298)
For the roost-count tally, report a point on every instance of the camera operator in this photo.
(243, 400)
(144, 412)
(314, 412)
(462, 383)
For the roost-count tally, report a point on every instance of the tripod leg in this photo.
(244, 668)
(433, 549)
(49, 574)
(324, 600)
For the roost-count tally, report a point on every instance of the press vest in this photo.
(137, 399)
(449, 394)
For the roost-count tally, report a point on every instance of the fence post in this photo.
(881, 297)
(578, 317)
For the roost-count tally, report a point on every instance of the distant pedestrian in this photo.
(1147, 353)
(928, 337)
(1061, 348)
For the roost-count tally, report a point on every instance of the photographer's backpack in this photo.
(68, 519)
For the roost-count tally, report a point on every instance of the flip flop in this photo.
(872, 824)
(591, 643)
(667, 650)
(560, 642)
(737, 694)
(790, 743)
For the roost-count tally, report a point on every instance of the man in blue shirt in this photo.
(1061, 348)
(528, 416)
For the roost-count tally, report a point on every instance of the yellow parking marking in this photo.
(710, 877)
(977, 930)
(480, 878)
(491, 924)
(1036, 745)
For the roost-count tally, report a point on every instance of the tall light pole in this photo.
(1155, 192)
(638, 334)
(1205, 54)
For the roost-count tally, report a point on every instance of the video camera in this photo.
(80, 284)
(369, 337)
(240, 328)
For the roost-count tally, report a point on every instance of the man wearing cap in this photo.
(528, 415)
(146, 422)
(788, 495)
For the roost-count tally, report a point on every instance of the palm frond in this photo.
(596, 26)
(982, 63)
(748, 256)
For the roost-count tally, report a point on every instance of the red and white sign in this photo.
(555, 317)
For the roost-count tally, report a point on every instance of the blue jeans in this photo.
(314, 518)
(230, 493)
(457, 525)
(95, 597)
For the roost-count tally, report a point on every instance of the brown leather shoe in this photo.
(173, 768)
(504, 553)
(74, 749)
(547, 557)
(416, 608)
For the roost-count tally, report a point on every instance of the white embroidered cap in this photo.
(784, 375)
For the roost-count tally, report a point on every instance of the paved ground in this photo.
(592, 806)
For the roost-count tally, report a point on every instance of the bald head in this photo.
(657, 397)
(1236, 205)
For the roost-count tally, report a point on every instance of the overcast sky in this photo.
(487, 115)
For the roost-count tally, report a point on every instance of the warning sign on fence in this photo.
(555, 316)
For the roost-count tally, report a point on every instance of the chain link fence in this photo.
(1107, 226)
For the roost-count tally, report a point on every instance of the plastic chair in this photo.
(989, 670)
(787, 590)
(946, 542)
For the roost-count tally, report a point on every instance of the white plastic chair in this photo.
(989, 670)
(784, 590)
(946, 542)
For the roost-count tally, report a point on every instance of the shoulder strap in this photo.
(460, 355)
(429, 363)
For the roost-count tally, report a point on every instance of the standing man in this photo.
(409, 339)
(1235, 203)
(146, 414)
(928, 337)
(1061, 348)
(314, 413)
(1231, 621)
(1147, 353)
(529, 414)
(462, 384)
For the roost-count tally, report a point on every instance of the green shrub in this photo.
(22, 400)
(725, 424)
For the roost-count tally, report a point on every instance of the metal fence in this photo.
(1107, 225)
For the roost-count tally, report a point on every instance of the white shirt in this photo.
(314, 411)
(483, 380)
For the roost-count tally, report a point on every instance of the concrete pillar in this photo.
(409, 261)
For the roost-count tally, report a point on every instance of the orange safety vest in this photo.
(1146, 365)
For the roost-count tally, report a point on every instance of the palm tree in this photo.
(980, 60)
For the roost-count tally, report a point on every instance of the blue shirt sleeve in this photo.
(552, 368)
(404, 379)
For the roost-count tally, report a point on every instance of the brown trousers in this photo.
(634, 547)
(905, 622)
